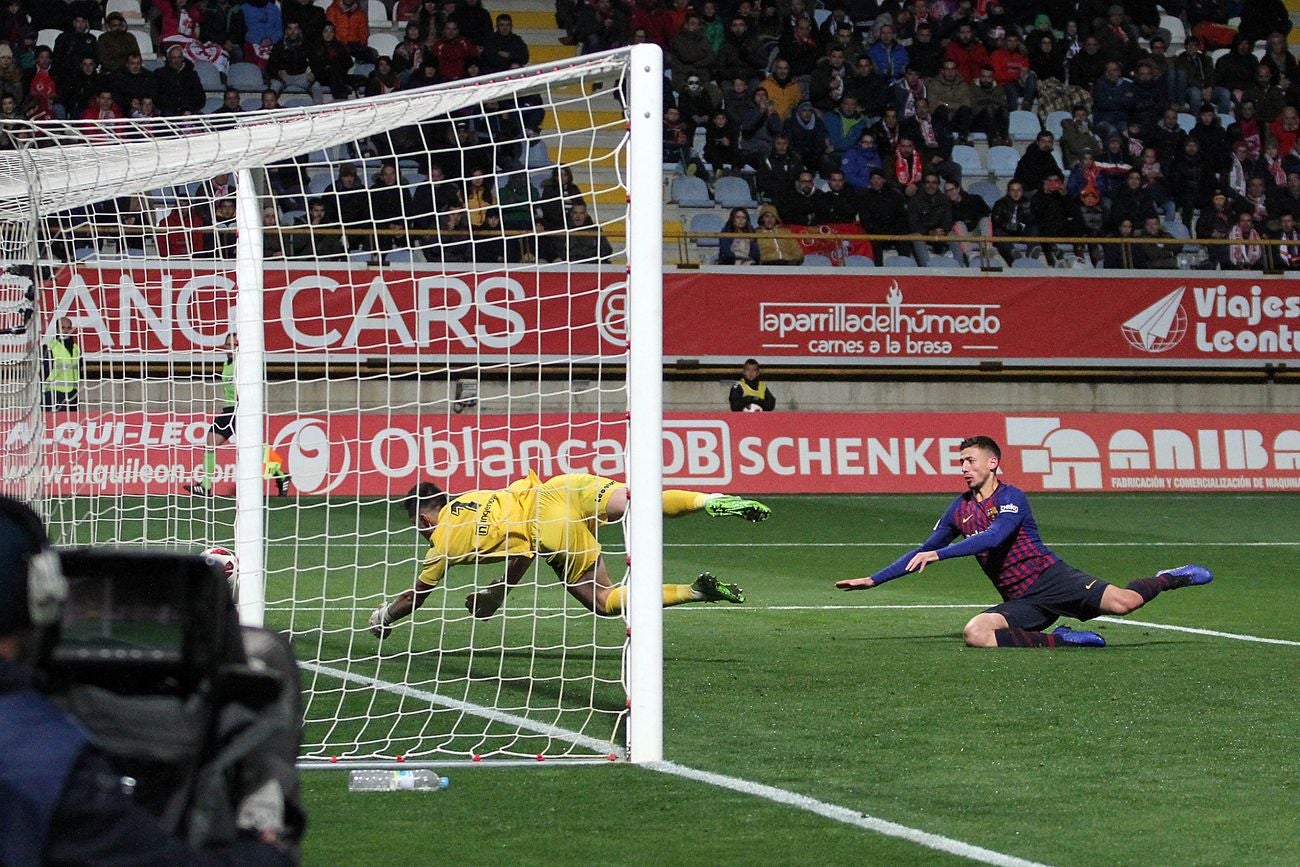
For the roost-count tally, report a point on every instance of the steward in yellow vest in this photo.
(62, 368)
(750, 394)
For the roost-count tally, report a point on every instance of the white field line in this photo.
(596, 745)
(920, 606)
(735, 784)
(1213, 633)
(845, 815)
(1122, 621)
(903, 546)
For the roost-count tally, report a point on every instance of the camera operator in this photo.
(64, 803)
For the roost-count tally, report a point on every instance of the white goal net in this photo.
(428, 286)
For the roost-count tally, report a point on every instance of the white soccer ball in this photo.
(224, 559)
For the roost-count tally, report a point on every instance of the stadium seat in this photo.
(384, 43)
(402, 257)
(1186, 121)
(820, 16)
(1003, 160)
(144, 44)
(859, 262)
(900, 262)
(986, 190)
(733, 192)
(1177, 32)
(210, 78)
(211, 103)
(1217, 53)
(969, 160)
(1177, 229)
(378, 14)
(689, 191)
(246, 78)
(817, 260)
(1025, 126)
(128, 9)
(944, 260)
(708, 221)
(1028, 263)
(47, 36)
(1227, 120)
(1054, 121)
(295, 100)
(319, 180)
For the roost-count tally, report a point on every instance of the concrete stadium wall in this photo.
(586, 396)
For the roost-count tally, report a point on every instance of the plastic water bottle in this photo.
(419, 780)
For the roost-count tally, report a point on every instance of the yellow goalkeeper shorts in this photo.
(568, 509)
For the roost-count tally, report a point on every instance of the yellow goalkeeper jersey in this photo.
(482, 527)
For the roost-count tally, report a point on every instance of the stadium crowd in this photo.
(1132, 121)
(1016, 119)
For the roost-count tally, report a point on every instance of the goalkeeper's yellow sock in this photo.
(678, 503)
(209, 467)
(674, 594)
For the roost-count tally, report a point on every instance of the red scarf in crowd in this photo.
(907, 174)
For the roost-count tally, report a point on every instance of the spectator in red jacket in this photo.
(1011, 69)
(102, 107)
(967, 52)
(453, 53)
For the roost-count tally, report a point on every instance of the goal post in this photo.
(456, 284)
(645, 435)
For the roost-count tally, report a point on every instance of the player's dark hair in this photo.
(989, 445)
(422, 496)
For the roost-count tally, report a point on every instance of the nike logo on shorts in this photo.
(1088, 586)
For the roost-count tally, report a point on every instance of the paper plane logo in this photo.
(1160, 327)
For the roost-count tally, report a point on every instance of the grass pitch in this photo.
(1168, 746)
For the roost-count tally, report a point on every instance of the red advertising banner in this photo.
(341, 314)
(1196, 319)
(1192, 320)
(758, 453)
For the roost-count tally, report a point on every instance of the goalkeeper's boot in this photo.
(711, 589)
(198, 489)
(282, 485)
(1187, 576)
(1078, 637)
(750, 510)
(379, 623)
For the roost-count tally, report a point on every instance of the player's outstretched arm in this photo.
(856, 583)
(487, 601)
(383, 617)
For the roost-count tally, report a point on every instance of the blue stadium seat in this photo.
(1027, 263)
(733, 192)
(708, 221)
(1054, 121)
(246, 78)
(1003, 160)
(817, 260)
(210, 76)
(689, 191)
(969, 160)
(1186, 121)
(986, 190)
(859, 262)
(1025, 126)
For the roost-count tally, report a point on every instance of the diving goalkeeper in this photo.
(554, 519)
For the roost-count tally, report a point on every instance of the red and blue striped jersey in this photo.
(1001, 534)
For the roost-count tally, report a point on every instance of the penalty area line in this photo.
(845, 815)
